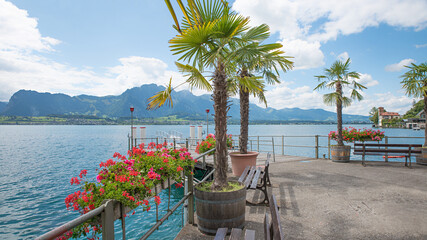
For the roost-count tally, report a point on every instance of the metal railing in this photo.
(112, 210)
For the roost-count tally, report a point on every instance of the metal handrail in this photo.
(73, 223)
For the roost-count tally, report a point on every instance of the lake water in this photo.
(37, 162)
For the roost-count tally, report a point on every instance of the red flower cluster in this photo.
(128, 180)
(210, 143)
(352, 134)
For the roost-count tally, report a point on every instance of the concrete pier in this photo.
(319, 199)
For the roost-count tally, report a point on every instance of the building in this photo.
(382, 114)
(418, 122)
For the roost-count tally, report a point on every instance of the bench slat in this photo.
(220, 234)
(255, 179)
(235, 234)
(249, 177)
(267, 227)
(249, 234)
(275, 219)
(386, 145)
(244, 173)
(370, 150)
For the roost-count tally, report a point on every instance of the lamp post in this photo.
(131, 125)
(207, 121)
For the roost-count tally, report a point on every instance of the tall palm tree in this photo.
(208, 31)
(254, 61)
(337, 77)
(415, 83)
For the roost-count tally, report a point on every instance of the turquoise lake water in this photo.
(37, 162)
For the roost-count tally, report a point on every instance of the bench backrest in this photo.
(386, 148)
(273, 230)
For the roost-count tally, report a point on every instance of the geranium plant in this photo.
(351, 134)
(210, 143)
(128, 180)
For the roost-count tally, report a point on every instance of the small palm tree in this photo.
(337, 77)
(255, 61)
(415, 83)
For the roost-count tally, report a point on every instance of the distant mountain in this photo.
(186, 105)
(2, 106)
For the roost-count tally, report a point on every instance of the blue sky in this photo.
(105, 47)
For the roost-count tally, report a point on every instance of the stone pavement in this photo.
(319, 199)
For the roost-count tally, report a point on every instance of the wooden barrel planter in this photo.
(220, 209)
(340, 153)
(422, 160)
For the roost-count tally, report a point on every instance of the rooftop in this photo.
(319, 199)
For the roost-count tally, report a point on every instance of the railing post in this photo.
(258, 144)
(108, 221)
(386, 154)
(316, 140)
(329, 147)
(283, 145)
(274, 155)
(157, 140)
(186, 143)
(191, 200)
(174, 143)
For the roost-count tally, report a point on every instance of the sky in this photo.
(105, 47)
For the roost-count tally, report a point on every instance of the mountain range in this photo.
(185, 105)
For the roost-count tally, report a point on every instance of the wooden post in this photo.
(274, 155)
(191, 200)
(258, 144)
(329, 148)
(108, 221)
(186, 143)
(283, 145)
(386, 154)
(174, 143)
(316, 140)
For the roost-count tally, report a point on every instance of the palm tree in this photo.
(415, 83)
(208, 31)
(255, 61)
(337, 77)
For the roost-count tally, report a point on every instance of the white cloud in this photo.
(343, 56)
(19, 32)
(389, 101)
(421, 45)
(283, 96)
(367, 80)
(307, 23)
(306, 54)
(399, 66)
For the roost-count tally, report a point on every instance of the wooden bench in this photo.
(273, 228)
(236, 234)
(257, 178)
(404, 150)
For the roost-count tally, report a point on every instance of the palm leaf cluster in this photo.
(337, 78)
(415, 84)
(218, 51)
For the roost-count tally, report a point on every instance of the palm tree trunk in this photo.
(339, 114)
(220, 98)
(244, 116)
(425, 112)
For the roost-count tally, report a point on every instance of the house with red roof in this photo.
(382, 114)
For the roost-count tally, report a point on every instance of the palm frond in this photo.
(161, 98)
(195, 77)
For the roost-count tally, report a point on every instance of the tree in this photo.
(255, 61)
(373, 115)
(337, 77)
(208, 32)
(415, 84)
